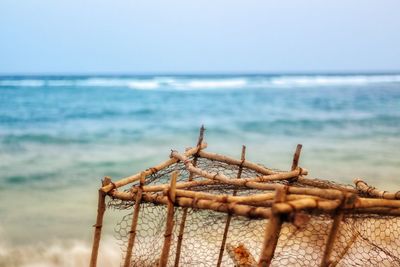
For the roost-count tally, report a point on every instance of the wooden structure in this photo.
(280, 202)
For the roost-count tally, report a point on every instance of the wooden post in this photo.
(132, 232)
(347, 201)
(326, 258)
(229, 218)
(272, 232)
(170, 221)
(296, 157)
(185, 210)
(101, 208)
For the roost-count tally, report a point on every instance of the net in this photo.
(206, 209)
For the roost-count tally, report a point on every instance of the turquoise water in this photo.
(60, 135)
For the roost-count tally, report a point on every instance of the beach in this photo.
(60, 135)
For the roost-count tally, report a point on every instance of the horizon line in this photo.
(199, 73)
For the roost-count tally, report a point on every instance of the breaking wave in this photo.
(202, 82)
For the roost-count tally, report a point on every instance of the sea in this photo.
(60, 135)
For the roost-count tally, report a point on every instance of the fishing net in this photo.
(366, 236)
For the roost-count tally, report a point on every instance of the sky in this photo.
(198, 36)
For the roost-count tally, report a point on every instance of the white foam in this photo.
(23, 83)
(206, 83)
(302, 81)
(215, 84)
(75, 253)
(144, 85)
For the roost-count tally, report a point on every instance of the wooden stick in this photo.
(158, 188)
(338, 217)
(101, 208)
(238, 182)
(272, 232)
(320, 192)
(232, 161)
(374, 203)
(296, 157)
(229, 217)
(150, 171)
(132, 232)
(372, 191)
(237, 209)
(170, 222)
(305, 203)
(255, 199)
(185, 210)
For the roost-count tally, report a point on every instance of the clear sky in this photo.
(169, 36)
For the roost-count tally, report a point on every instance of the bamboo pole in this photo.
(237, 209)
(305, 203)
(170, 221)
(372, 191)
(150, 171)
(101, 208)
(272, 232)
(229, 217)
(254, 200)
(132, 232)
(320, 192)
(185, 210)
(299, 202)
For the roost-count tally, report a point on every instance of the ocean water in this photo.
(60, 135)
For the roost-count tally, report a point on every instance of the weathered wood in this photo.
(326, 258)
(238, 182)
(101, 208)
(347, 201)
(135, 217)
(296, 157)
(229, 217)
(272, 232)
(170, 221)
(185, 210)
(150, 171)
(373, 192)
(237, 162)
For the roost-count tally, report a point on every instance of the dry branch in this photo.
(373, 192)
(150, 171)
(101, 208)
(135, 217)
(272, 231)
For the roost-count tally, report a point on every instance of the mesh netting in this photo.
(362, 239)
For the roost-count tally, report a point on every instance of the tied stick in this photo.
(101, 208)
(170, 221)
(347, 201)
(185, 210)
(295, 162)
(272, 232)
(296, 157)
(229, 218)
(132, 232)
